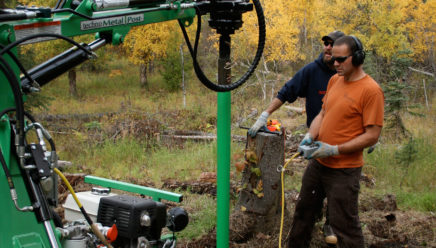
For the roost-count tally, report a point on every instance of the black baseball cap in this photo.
(333, 35)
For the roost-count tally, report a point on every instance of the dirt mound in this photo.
(383, 225)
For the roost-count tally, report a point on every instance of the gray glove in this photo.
(261, 121)
(307, 140)
(324, 150)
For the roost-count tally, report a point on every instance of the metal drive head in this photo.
(307, 150)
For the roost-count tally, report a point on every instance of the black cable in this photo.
(59, 4)
(33, 120)
(19, 64)
(12, 109)
(30, 37)
(261, 44)
(13, 82)
(6, 170)
(11, 45)
(18, 97)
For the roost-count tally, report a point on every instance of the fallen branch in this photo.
(296, 109)
(422, 72)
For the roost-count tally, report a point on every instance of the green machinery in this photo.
(28, 184)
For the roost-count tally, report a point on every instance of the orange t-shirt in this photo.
(349, 107)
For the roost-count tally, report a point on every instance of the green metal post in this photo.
(223, 146)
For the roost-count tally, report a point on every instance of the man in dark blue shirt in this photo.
(309, 82)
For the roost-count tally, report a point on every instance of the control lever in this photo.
(307, 150)
(264, 129)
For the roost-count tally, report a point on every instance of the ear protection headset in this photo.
(358, 54)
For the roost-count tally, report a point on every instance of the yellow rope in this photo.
(283, 197)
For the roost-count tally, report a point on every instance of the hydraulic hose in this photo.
(18, 98)
(13, 192)
(13, 82)
(32, 119)
(193, 51)
(20, 66)
(30, 37)
(94, 227)
(283, 196)
(14, 195)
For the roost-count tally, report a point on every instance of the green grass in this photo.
(129, 158)
(408, 173)
(202, 215)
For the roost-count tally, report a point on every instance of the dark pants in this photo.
(341, 187)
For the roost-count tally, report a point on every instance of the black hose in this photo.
(33, 120)
(18, 97)
(6, 170)
(193, 51)
(30, 37)
(15, 59)
(27, 114)
(13, 82)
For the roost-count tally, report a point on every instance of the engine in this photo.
(128, 222)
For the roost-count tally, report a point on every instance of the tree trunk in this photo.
(258, 208)
(183, 75)
(72, 77)
(143, 76)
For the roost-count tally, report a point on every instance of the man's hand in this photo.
(324, 150)
(307, 140)
(261, 121)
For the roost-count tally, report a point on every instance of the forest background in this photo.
(148, 83)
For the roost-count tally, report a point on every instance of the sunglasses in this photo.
(327, 43)
(340, 59)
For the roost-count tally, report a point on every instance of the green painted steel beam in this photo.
(156, 194)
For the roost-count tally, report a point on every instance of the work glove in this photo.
(324, 150)
(261, 122)
(307, 140)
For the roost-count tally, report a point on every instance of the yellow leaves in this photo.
(251, 156)
(115, 73)
(146, 43)
(259, 185)
(283, 27)
(256, 171)
(422, 28)
(258, 191)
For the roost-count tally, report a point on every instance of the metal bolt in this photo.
(41, 171)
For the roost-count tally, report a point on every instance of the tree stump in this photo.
(258, 208)
(261, 187)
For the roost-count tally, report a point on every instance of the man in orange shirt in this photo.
(350, 120)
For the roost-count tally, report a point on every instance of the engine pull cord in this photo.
(283, 196)
(94, 226)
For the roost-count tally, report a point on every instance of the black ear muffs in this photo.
(358, 54)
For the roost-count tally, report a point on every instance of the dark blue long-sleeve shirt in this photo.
(309, 82)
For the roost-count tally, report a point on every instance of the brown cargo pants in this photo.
(341, 187)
